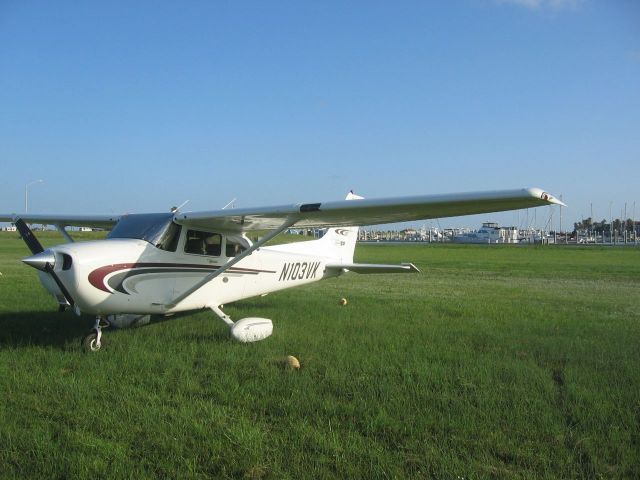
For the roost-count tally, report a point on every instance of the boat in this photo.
(490, 232)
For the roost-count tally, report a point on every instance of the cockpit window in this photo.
(155, 228)
(169, 239)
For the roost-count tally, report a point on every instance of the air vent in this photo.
(67, 261)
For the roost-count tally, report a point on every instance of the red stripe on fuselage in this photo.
(96, 278)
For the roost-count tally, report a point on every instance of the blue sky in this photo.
(138, 106)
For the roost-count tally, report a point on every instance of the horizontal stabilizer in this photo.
(374, 268)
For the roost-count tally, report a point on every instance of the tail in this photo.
(340, 243)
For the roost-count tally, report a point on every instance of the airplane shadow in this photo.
(62, 329)
(52, 329)
(42, 328)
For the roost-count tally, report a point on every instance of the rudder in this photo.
(341, 241)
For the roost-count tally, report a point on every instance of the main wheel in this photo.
(90, 342)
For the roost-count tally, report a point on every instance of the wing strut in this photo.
(64, 233)
(287, 223)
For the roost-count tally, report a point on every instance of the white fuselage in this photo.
(132, 276)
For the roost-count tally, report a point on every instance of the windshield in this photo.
(155, 228)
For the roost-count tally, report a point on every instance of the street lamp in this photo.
(26, 194)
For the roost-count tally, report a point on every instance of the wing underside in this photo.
(97, 221)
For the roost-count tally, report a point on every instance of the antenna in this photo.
(177, 209)
(230, 204)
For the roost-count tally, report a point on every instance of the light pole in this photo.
(26, 194)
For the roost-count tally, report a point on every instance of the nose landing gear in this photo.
(92, 342)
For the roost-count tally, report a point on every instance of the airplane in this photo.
(165, 263)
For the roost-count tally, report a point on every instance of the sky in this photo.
(129, 107)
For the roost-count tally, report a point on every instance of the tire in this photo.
(89, 342)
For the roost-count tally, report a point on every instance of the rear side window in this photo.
(203, 243)
(233, 249)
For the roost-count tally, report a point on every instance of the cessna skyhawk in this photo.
(164, 263)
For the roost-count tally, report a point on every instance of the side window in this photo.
(203, 243)
(232, 248)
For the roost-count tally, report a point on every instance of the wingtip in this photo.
(545, 196)
(412, 267)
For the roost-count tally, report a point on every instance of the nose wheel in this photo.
(92, 342)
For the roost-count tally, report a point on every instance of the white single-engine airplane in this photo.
(164, 263)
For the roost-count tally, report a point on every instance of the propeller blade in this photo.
(28, 236)
(41, 259)
(49, 269)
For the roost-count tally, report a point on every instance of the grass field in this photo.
(494, 362)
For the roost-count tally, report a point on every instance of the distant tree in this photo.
(628, 225)
(585, 224)
(600, 227)
(617, 224)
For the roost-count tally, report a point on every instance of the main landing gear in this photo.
(246, 330)
(92, 342)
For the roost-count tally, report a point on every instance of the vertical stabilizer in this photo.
(340, 242)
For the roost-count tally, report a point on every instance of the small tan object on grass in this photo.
(293, 362)
(343, 301)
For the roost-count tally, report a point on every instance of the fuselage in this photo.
(133, 276)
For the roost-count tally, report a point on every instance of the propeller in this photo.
(28, 236)
(43, 260)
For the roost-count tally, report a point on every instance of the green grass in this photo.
(494, 362)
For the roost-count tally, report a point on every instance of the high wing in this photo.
(97, 221)
(366, 211)
(327, 214)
